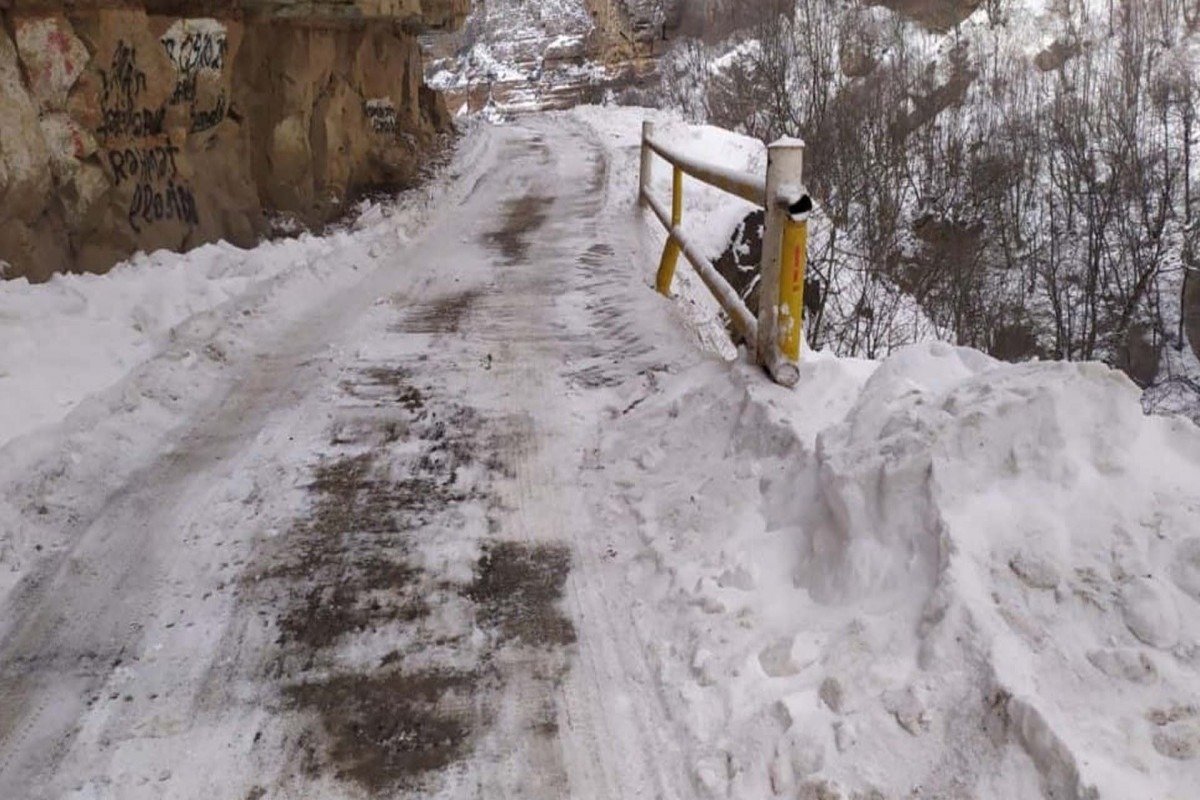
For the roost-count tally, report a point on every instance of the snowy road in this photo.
(363, 560)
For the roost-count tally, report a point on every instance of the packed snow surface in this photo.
(934, 576)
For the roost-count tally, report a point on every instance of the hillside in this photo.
(1026, 175)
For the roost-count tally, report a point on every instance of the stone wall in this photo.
(167, 124)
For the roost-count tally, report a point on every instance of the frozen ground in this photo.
(451, 504)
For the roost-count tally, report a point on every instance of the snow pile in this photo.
(1050, 534)
(938, 576)
(75, 335)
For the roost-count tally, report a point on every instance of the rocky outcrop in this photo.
(166, 124)
(514, 56)
(713, 20)
(936, 15)
(1191, 308)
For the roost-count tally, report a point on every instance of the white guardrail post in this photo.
(647, 163)
(785, 168)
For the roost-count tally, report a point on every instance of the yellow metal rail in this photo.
(745, 186)
(780, 319)
(743, 321)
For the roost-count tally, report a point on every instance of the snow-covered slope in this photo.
(938, 575)
(79, 334)
(515, 57)
(954, 575)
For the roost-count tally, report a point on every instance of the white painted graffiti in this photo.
(381, 114)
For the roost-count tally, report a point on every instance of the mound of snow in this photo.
(1049, 531)
(941, 576)
(67, 339)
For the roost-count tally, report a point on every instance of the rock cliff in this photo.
(130, 126)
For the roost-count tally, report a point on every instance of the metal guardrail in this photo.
(775, 335)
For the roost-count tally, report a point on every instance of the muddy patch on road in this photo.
(522, 218)
(518, 588)
(444, 315)
(387, 730)
(381, 590)
(385, 386)
(614, 341)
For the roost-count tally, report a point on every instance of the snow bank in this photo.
(1050, 531)
(76, 335)
(937, 576)
(66, 339)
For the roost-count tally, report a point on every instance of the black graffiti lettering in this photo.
(205, 120)
(172, 203)
(197, 51)
(116, 161)
(150, 204)
(381, 115)
(123, 122)
(121, 86)
(144, 164)
(122, 82)
(185, 90)
(135, 207)
(190, 55)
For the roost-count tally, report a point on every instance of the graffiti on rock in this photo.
(170, 201)
(158, 194)
(203, 120)
(381, 115)
(197, 47)
(137, 151)
(121, 87)
(54, 58)
(143, 163)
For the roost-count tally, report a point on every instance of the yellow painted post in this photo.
(666, 268)
(793, 264)
(785, 162)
